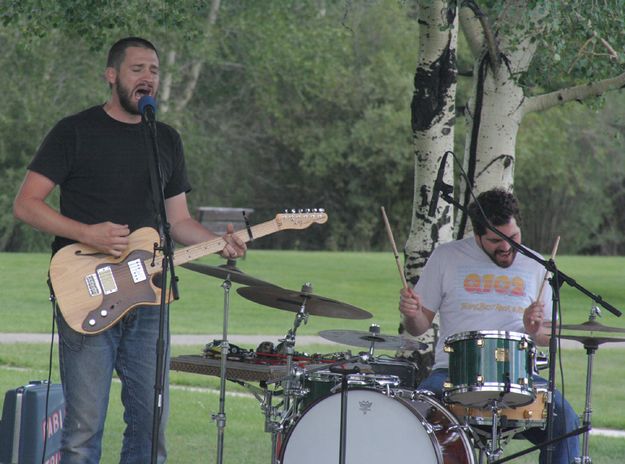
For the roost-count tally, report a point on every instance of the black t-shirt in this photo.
(102, 168)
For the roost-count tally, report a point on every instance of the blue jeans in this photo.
(565, 420)
(87, 363)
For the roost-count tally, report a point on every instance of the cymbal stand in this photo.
(292, 390)
(220, 417)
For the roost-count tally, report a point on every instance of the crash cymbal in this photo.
(592, 341)
(290, 300)
(225, 270)
(589, 326)
(364, 339)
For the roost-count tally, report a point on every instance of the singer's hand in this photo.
(235, 247)
(107, 237)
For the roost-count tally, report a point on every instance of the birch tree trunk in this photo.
(495, 110)
(433, 116)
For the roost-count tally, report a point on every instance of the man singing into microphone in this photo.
(481, 283)
(99, 159)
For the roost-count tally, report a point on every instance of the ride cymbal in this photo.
(589, 326)
(592, 341)
(291, 300)
(364, 339)
(225, 270)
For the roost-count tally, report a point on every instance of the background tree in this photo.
(527, 57)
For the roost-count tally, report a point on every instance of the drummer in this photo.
(482, 283)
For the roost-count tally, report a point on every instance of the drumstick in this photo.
(392, 240)
(553, 255)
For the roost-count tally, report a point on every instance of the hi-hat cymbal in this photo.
(225, 270)
(592, 341)
(290, 300)
(364, 339)
(589, 326)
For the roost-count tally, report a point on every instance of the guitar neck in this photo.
(215, 245)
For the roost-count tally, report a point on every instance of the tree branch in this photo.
(485, 31)
(579, 92)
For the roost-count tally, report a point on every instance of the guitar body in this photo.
(95, 290)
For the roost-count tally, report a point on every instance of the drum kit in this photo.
(366, 408)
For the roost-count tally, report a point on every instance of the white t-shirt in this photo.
(470, 292)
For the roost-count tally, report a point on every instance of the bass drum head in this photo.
(380, 429)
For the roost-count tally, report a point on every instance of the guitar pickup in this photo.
(137, 271)
(107, 280)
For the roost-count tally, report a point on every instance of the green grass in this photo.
(192, 435)
(366, 280)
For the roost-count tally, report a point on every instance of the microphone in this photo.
(147, 108)
(438, 186)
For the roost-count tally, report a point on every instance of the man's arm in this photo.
(188, 231)
(417, 318)
(30, 207)
(533, 321)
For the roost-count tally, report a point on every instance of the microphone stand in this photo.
(556, 282)
(166, 248)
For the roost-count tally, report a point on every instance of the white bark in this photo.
(433, 115)
(432, 137)
(495, 110)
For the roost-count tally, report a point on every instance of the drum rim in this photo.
(490, 387)
(496, 334)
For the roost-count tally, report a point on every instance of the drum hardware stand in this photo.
(343, 427)
(591, 348)
(220, 417)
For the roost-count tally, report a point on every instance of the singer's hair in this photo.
(118, 50)
(499, 207)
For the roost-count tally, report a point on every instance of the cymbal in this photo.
(225, 270)
(364, 339)
(592, 341)
(290, 300)
(589, 326)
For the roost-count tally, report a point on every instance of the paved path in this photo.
(254, 340)
(247, 341)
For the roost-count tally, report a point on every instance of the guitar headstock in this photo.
(300, 219)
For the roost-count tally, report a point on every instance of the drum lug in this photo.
(431, 428)
(448, 349)
(479, 342)
(480, 380)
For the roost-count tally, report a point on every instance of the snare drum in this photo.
(528, 416)
(380, 428)
(490, 365)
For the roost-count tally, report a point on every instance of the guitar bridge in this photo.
(93, 285)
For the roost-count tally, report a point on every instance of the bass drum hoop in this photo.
(407, 399)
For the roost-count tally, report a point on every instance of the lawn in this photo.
(366, 280)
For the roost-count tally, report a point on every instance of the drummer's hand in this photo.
(533, 317)
(409, 303)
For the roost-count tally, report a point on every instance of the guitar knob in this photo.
(104, 313)
(91, 322)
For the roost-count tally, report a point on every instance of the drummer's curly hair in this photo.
(499, 207)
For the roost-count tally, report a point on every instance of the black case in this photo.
(23, 424)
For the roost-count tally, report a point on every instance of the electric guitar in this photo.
(94, 290)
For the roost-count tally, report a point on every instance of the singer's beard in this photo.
(125, 99)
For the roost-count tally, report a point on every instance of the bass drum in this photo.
(380, 428)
